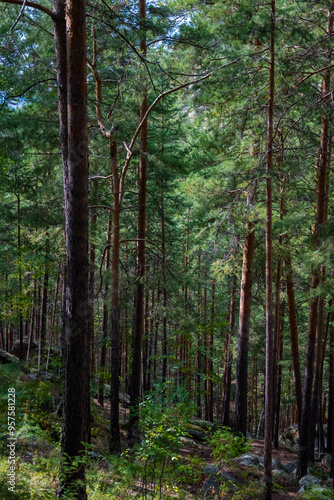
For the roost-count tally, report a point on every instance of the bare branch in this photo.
(98, 86)
(315, 72)
(149, 109)
(25, 90)
(19, 16)
(33, 5)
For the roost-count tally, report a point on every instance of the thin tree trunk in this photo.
(20, 274)
(294, 334)
(92, 276)
(322, 167)
(279, 374)
(103, 353)
(43, 312)
(53, 318)
(141, 231)
(115, 439)
(243, 340)
(229, 357)
(268, 415)
(199, 343)
(164, 289)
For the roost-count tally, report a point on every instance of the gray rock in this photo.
(326, 460)
(211, 469)
(186, 440)
(330, 483)
(248, 459)
(212, 484)
(291, 466)
(225, 476)
(277, 473)
(307, 482)
(290, 438)
(204, 424)
(6, 358)
(194, 433)
(276, 464)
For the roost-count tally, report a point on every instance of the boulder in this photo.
(275, 463)
(211, 470)
(203, 424)
(33, 348)
(290, 438)
(212, 484)
(307, 482)
(291, 467)
(248, 459)
(326, 460)
(6, 357)
(217, 477)
(196, 433)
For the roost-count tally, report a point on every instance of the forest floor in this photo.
(246, 476)
(244, 480)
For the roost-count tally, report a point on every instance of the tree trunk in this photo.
(141, 231)
(321, 216)
(115, 439)
(20, 274)
(43, 312)
(76, 408)
(294, 334)
(268, 411)
(243, 340)
(103, 353)
(229, 357)
(199, 343)
(92, 275)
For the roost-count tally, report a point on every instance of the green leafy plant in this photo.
(226, 444)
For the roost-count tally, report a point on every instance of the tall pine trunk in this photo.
(243, 339)
(268, 410)
(135, 378)
(307, 422)
(76, 408)
(115, 440)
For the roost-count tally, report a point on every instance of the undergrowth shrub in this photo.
(226, 444)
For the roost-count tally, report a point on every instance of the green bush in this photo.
(227, 445)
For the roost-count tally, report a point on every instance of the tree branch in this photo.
(34, 5)
(25, 90)
(149, 109)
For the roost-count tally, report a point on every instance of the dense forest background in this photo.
(204, 288)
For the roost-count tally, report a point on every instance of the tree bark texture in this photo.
(307, 421)
(115, 441)
(76, 408)
(141, 232)
(243, 339)
(268, 410)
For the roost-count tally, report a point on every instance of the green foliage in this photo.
(318, 493)
(226, 444)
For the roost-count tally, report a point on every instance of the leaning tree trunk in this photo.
(76, 407)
